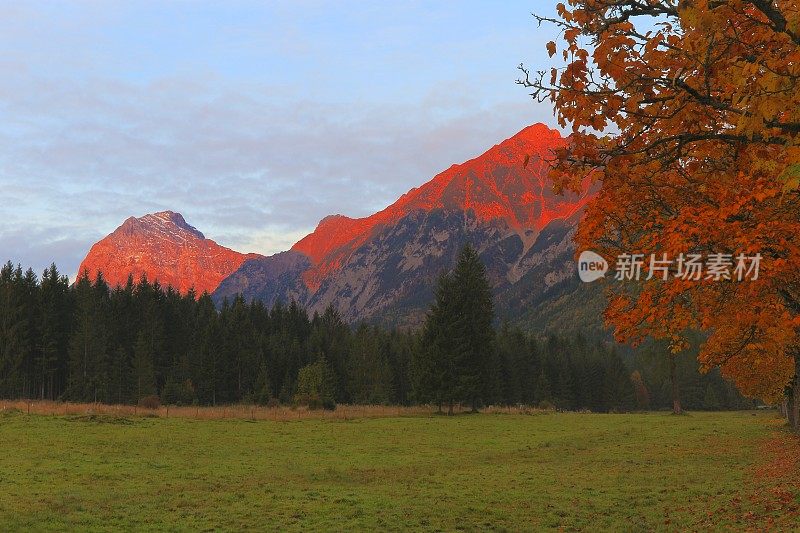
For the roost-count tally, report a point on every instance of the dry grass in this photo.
(241, 412)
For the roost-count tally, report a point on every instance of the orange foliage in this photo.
(703, 102)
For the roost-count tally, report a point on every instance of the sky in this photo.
(252, 119)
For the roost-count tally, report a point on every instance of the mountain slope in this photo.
(493, 185)
(383, 267)
(163, 247)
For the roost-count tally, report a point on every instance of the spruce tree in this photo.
(53, 331)
(434, 365)
(473, 329)
(143, 366)
(458, 363)
(89, 342)
(12, 331)
(369, 373)
(543, 392)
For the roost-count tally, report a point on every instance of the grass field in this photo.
(488, 471)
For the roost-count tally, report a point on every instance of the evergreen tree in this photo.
(400, 348)
(370, 376)
(434, 364)
(86, 342)
(54, 332)
(207, 350)
(473, 330)
(143, 366)
(331, 337)
(565, 391)
(618, 390)
(543, 394)
(459, 341)
(121, 377)
(12, 331)
(29, 286)
(89, 341)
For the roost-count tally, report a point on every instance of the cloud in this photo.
(37, 248)
(234, 161)
(94, 128)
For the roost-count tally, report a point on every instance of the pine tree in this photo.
(508, 389)
(543, 392)
(12, 331)
(473, 329)
(565, 392)
(619, 392)
(242, 344)
(331, 336)
(369, 373)
(400, 348)
(143, 366)
(458, 359)
(121, 377)
(89, 342)
(29, 285)
(433, 365)
(54, 331)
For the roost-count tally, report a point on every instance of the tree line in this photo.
(89, 342)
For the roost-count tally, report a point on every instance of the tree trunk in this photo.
(676, 399)
(793, 410)
(450, 408)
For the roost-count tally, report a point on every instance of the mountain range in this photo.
(383, 267)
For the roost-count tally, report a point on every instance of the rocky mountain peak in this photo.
(163, 247)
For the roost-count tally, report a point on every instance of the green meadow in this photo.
(629, 472)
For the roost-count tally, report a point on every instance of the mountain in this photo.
(163, 247)
(383, 267)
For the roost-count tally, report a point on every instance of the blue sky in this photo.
(253, 119)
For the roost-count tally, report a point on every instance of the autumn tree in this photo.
(686, 115)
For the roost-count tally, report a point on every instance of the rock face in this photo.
(163, 247)
(383, 267)
(277, 277)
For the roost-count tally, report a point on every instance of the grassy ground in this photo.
(499, 471)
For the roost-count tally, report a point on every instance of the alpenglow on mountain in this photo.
(163, 247)
(383, 267)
